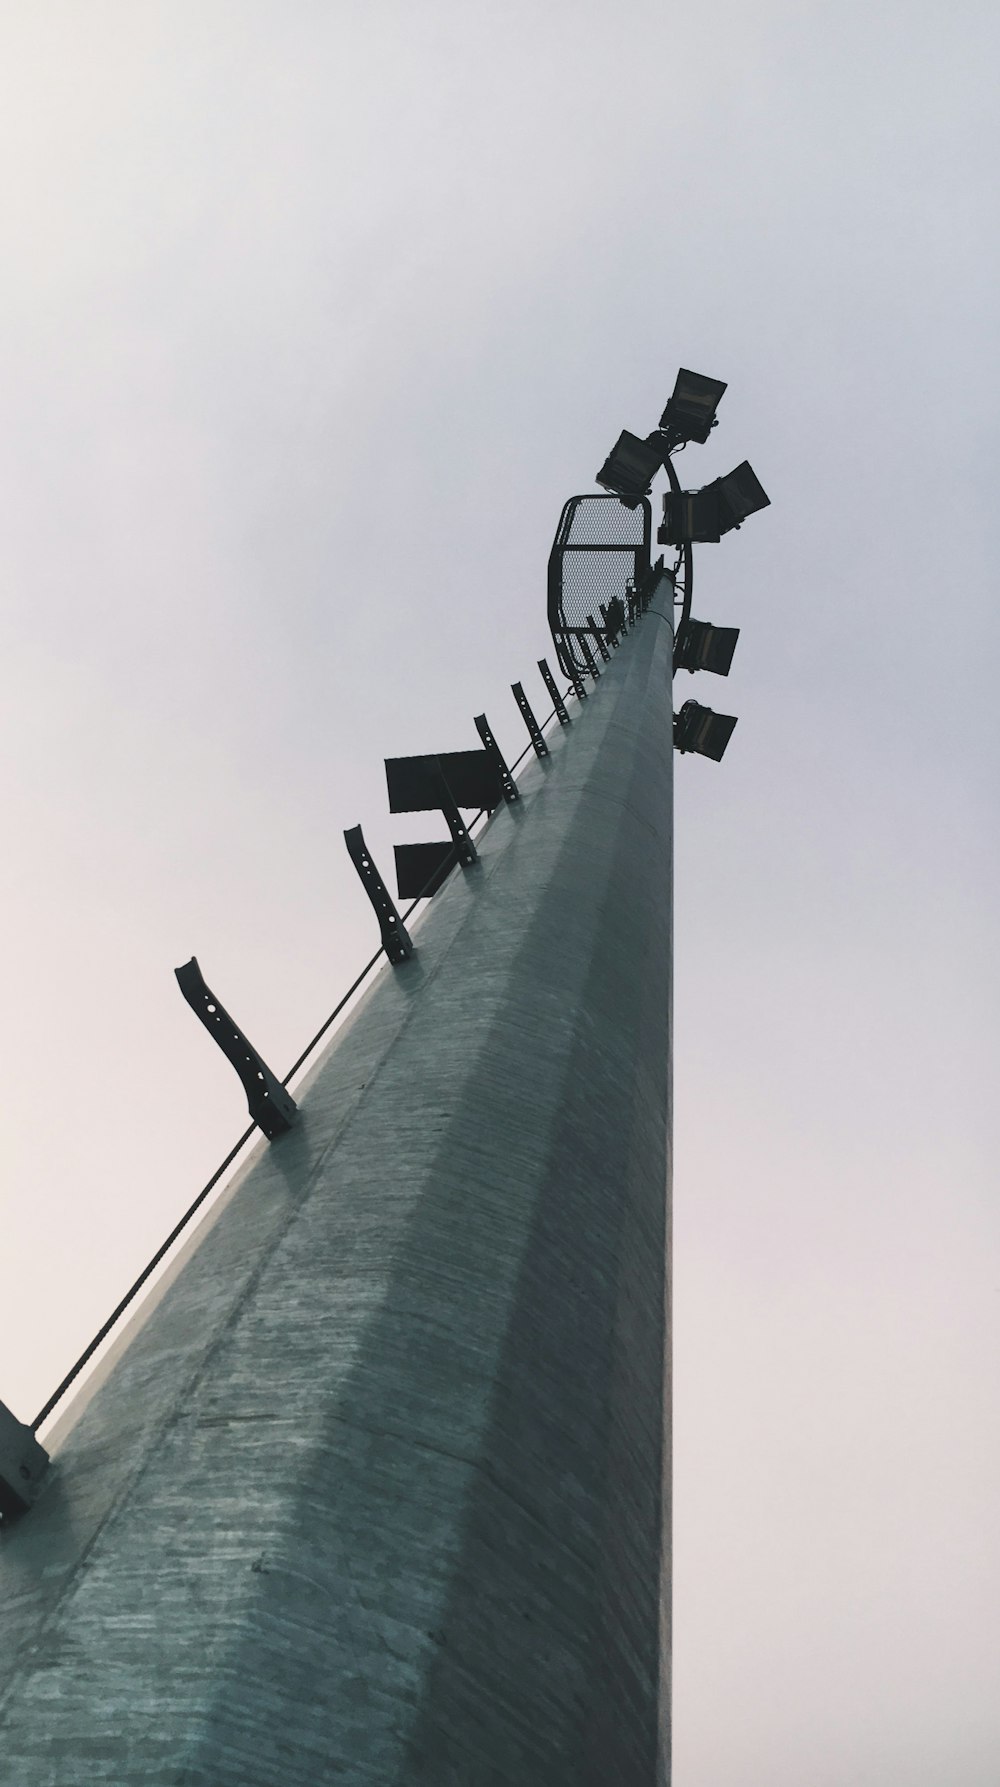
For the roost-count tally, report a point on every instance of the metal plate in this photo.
(421, 868)
(414, 783)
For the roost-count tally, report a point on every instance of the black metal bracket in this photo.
(439, 783)
(23, 1463)
(584, 643)
(460, 835)
(541, 749)
(599, 636)
(615, 620)
(507, 782)
(557, 701)
(396, 940)
(270, 1105)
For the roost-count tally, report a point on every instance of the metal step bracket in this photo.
(584, 644)
(554, 696)
(507, 782)
(23, 1463)
(539, 746)
(396, 939)
(270, 1105)
(460, 834)
(599, 636)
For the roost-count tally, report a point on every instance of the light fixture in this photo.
(631, 467)
(741, 493)
(705, 515)
(697, 728)
(690, 413)
(700, 646)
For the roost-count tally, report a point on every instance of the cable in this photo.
(179, 1227)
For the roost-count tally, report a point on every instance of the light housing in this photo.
(697, 728)
(705, 515)
(701, 646)
(631, 466)
(741, 493)
(690, 413)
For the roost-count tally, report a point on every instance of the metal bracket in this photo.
(557, 701)
(396, 940)
(541, 749)
(584, 644)
(439, 783)
(460, 834)
(507, 783)
(270, 1105)
(23, 1463)
(615, 620)
(599, 636)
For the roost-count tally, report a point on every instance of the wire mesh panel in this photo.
(600, 548)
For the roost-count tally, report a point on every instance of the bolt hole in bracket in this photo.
(396, 939)
(270, 1105)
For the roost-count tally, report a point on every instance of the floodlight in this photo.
(709, 513)
(700, 646)
(740, 494)
(631, 467)
(690, 414)
(697, 728)
(690, 515)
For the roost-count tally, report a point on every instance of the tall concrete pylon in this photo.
(375, 1488)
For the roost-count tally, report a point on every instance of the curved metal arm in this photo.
(687, 552)
(396, 939)
(270, 1105)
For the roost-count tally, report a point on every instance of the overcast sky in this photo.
(311, 316)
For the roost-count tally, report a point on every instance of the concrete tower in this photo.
(375, 1488)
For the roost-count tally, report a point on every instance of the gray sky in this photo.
(311, 316)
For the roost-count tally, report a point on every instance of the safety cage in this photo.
(600, 552)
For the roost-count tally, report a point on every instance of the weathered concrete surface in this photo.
(375, 1490)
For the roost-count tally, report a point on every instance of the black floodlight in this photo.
(690, 515)
(631, 467)
(700, 646)
(697, 728)
(709, 513)
(690, 414)
(740, 494)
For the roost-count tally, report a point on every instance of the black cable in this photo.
(88, 1353)
(179, 1227)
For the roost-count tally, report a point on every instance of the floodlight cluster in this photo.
(689, 516)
